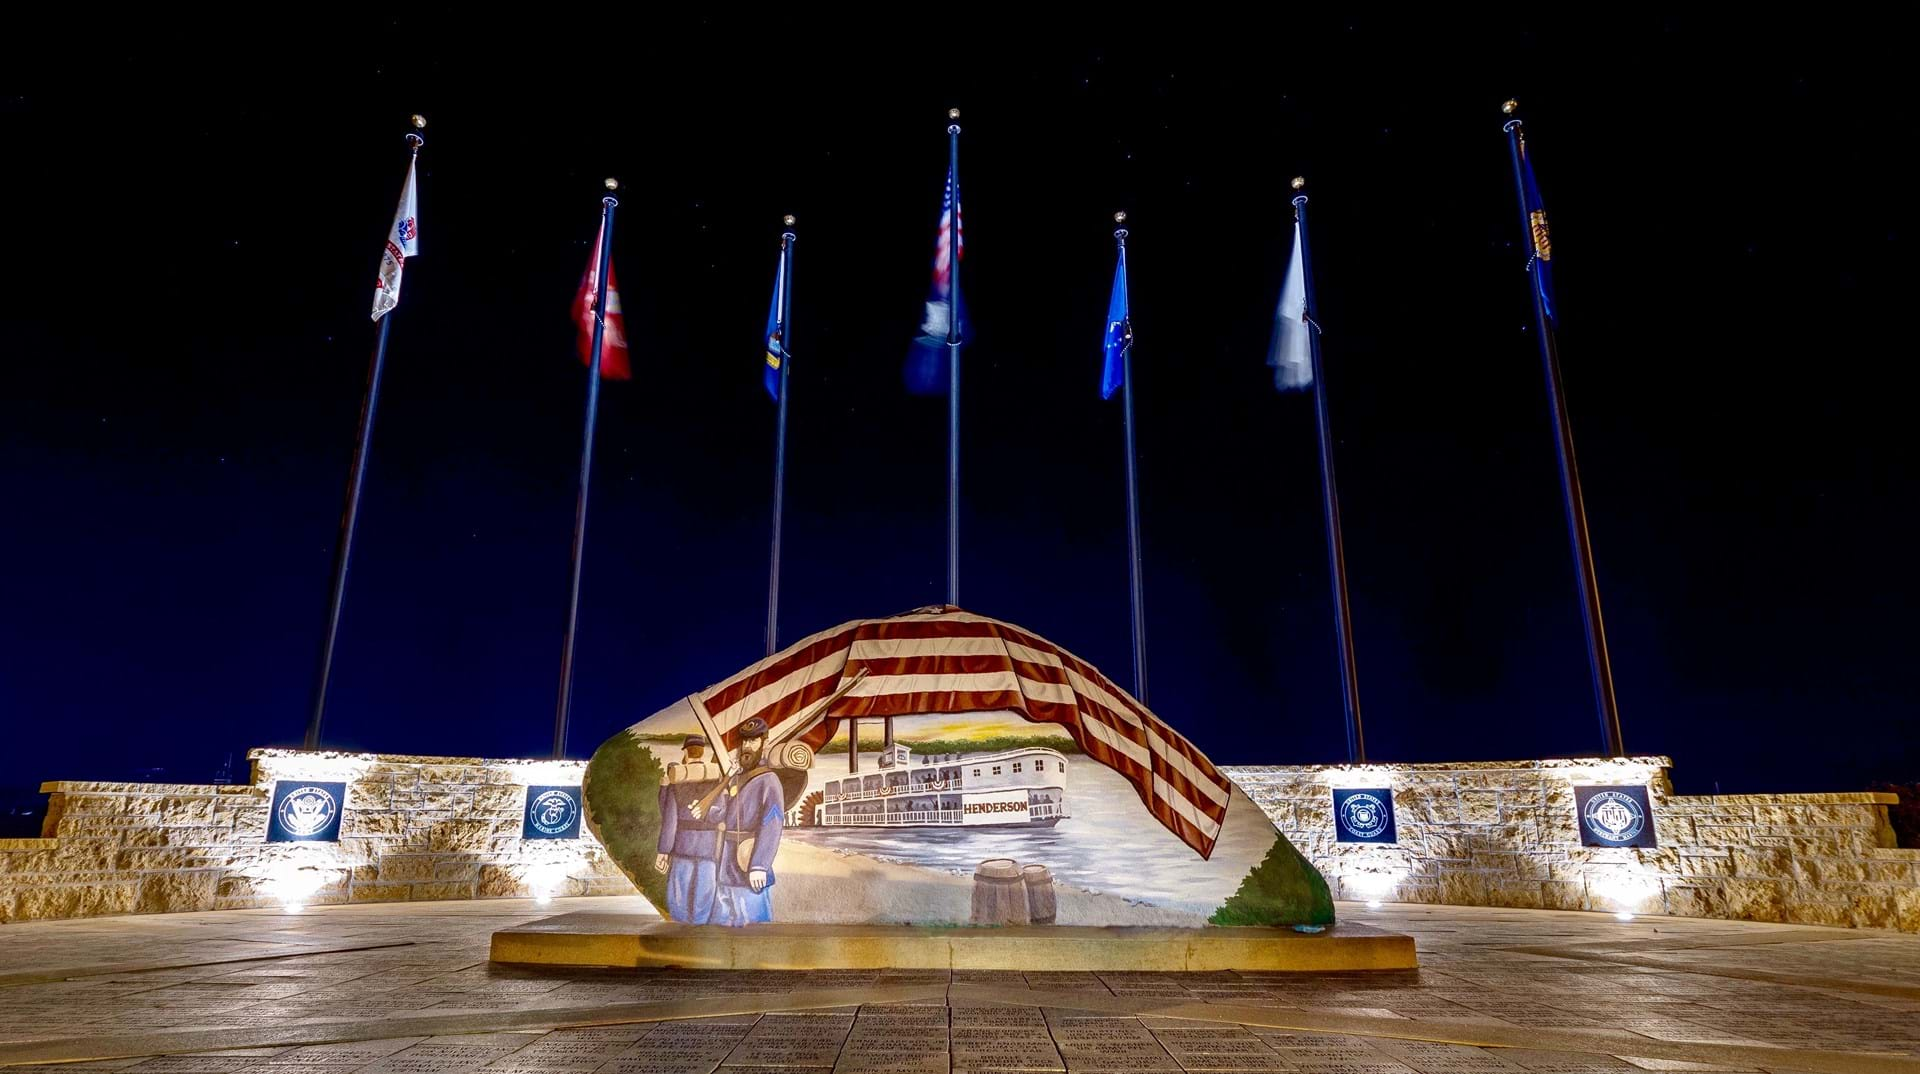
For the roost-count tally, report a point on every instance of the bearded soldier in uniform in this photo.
(753, 808)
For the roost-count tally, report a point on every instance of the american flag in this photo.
(952, 239)
(945, 660)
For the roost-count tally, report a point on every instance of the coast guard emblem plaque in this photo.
(1363, 815)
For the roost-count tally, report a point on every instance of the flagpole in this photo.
(1135, 575)
(953, 363)
(1330, 500)
(564, 709)
(350, 513)
(1599, 662)
(783, 326)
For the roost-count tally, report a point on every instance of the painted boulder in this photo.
(936, 768)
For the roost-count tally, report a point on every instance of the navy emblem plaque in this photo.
(1614, 816)
(1363, 815)
(306, 811)
(552, 813)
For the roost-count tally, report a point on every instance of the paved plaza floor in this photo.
(407, 989)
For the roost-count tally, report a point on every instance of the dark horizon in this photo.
(197, 225)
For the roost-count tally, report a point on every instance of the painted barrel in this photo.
(1042, 907)
(999, 897)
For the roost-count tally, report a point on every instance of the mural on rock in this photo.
(935, 768)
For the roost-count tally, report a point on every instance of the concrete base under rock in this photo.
(632, 940)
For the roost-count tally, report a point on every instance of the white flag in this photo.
(403, 242)
(1291, 353)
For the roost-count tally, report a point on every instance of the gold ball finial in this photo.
(1510, 107)
(787, 219)
(1299, 182)
(419, 122)
(610, 183)
(953, 113)
(1120, 218)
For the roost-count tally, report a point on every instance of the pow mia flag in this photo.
(306, 811)
(1363, 815)
(552, 813)
(1614, 816)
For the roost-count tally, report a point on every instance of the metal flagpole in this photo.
(783, 326)
(1134, 573)
(1598, 660)
(953, 362)
(350, 513)
(1330, 500)
(563, 709)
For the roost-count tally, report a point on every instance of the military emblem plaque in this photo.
(306, 811)
(552, 813)
(1363, 815)
(1614, 816)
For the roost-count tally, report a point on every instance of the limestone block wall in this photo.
(1505, 834)
(411, 828)
(1480, 833)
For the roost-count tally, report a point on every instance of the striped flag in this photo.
(945, 319)
(944, 660)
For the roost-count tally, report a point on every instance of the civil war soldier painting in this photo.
(719, 835)
(689, 848)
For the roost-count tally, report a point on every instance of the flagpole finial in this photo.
(1509, 107)
(611, 183)
(414, 141)
(1299, 182)
(419, 122)
(1120, 217)
(787, 219)
(953, 113)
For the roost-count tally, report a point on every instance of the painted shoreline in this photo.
(842, 887)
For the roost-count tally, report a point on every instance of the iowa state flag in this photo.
(613, 342)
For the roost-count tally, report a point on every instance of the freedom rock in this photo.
(936, 768)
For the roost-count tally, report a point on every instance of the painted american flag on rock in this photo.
(945, 660)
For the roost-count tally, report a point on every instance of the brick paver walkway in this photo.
(407, 989)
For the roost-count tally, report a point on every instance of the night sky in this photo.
(194, 217)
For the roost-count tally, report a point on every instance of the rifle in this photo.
(806, 721)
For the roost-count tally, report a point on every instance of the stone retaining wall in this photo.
(411, 828)
(1505, 834)
(1480, 834)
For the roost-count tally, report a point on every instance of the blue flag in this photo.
(776, 334)
(1540, 252)
(926, 371)
(1119, 334)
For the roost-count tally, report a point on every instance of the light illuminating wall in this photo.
(1479, 833)
(1505, 833)
(410, 828)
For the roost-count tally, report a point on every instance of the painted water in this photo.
(1108, 836)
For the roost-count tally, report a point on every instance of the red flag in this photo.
(613, 343)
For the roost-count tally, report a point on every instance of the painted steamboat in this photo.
(1024, 787)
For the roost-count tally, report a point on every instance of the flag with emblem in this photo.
(1291, 352)
(614, 364)
(775, 337)
(1540, 254)
(403, 242)
(1119, 335)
